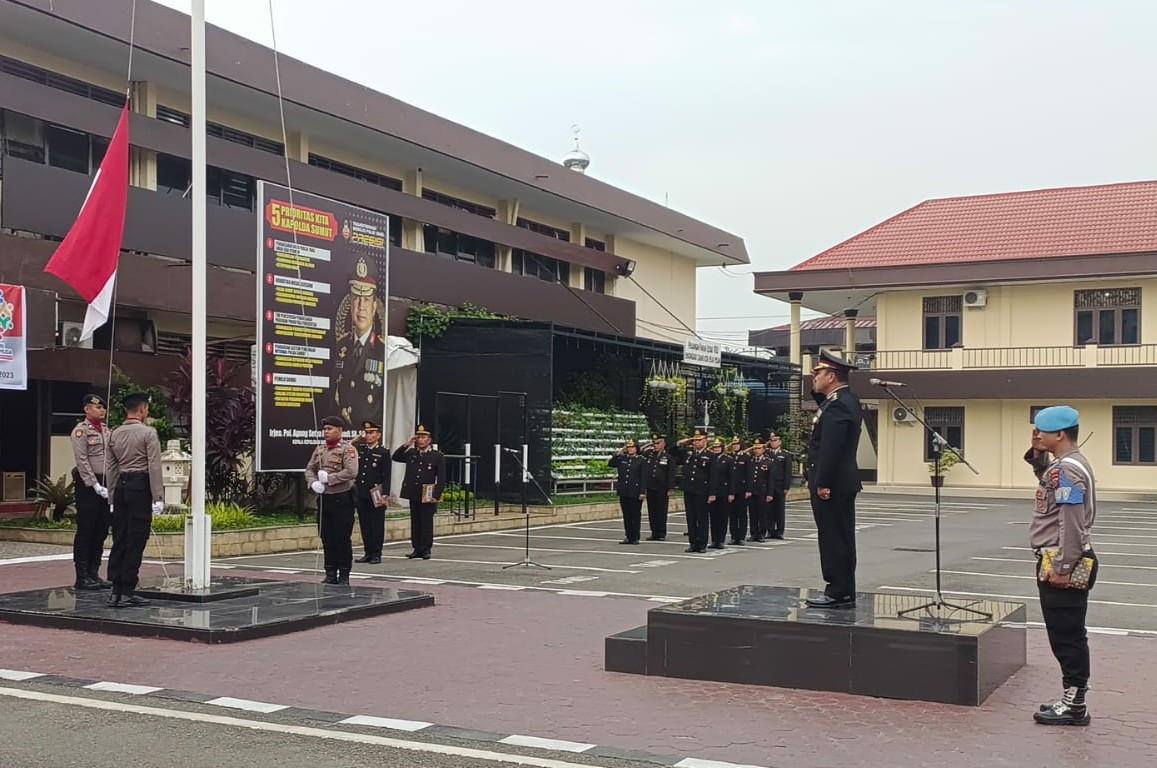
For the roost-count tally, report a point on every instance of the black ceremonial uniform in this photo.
(740, 493)
(422, 468)
(373, 471)
(719, 488)
(759, 478)
(631, 488)
(832, 448)
(696, 484)
(360, 375)
(660, 480)
(782, 462)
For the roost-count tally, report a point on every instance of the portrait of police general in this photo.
(359, 354)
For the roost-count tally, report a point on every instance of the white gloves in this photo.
(100, 490)
(323, 476)
(158, 507)
(318, 487)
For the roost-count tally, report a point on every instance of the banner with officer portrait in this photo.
(321, 321)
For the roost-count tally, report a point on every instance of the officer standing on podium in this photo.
(89, 449)
(834, 479)
(373, 473)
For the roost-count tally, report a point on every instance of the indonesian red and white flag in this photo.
(87, 259)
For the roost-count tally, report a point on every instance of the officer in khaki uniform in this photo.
(425, 467)
(373, 472)
(89, 449)
(135, 482)
(331, 472)
(360, 365)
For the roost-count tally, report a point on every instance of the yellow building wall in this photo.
(669, 278)
(996, 435)
(1022, 315)
(16, 50)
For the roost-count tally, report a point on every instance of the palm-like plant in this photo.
(54, 498)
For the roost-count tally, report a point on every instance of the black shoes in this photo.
(656, 538)
(364, 559)
(717, 545)
(426, 555)
(343, 577)
(330, 576)
(412, 555)
(114, 600)
(375, 560)
(778, 536)
(827, 601)
(1070, 710)
(696, 550)
(129, 600)
(629, 541)
(738, 542)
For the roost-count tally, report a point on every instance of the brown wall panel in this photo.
(86, 115)
(1056, 385)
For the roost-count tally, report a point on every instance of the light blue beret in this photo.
(1056, 417)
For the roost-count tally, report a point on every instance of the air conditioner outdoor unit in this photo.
(978, 297)
(902, 415)
(70, 336)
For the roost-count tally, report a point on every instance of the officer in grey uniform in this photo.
(360, 365)
(331, 472)
(1060, 534)
(373, 473)
(422, 485)
(89, 449)
(136, 485)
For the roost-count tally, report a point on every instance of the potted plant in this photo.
(57, 497)
(948, 460)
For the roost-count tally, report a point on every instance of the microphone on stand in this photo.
(883, 383)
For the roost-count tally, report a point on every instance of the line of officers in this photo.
(726, 487)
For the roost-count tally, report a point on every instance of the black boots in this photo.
(1070, 710)
(94, 574)
(84, 581)
(330, 576)
(126, 600)
(343, 577)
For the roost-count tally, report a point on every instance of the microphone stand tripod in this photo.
(939, 445)
(526, 559)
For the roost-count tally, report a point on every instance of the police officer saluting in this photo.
(331, 472)
(423, 485)
(660, 476)
(631, 488)
(834, 479)
(373, 491)
(696, 485)
(89, 449)
(135, 483)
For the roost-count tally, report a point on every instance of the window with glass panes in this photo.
(1135, 434)
(1107, 317)
(942, 321)
(949, 422)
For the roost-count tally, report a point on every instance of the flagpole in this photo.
(198, 548)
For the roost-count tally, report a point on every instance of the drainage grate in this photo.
(911, 549)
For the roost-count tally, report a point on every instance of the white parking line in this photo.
(990, 595)
(296, 730)
(628, 552)
(1022, 561)
(500, 563)
(1030, 577)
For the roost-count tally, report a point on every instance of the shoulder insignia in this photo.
(78, 433)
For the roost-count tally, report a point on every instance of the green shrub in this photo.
(225, 517)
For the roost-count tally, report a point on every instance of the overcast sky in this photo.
(793, 124)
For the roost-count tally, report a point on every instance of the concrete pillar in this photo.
(795, 385)
(578, 236)
(850, 334)
(143, 162)
(507, 214)
(297, 147)
(413, 236)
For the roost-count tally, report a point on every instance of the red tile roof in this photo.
(1046, 223)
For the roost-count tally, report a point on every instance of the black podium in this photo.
(767, 636)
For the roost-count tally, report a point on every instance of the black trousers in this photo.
(836, 522)
(697, 517)
(1064, 614)
(372, 522)
(777, 513)
(718, 512)
(737, 517)
(758, 506)
(132, 523)
(422, 526)
(632, 507)
(658, 501)
(335, 515)
(93, 521)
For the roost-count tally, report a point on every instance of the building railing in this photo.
(1000, 358)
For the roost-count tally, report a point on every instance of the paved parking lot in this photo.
(984, 555)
